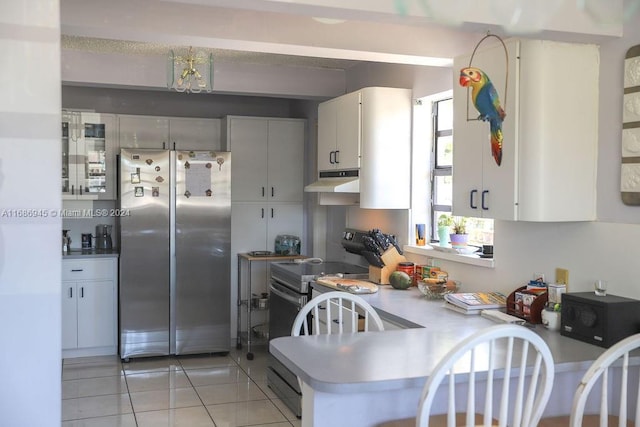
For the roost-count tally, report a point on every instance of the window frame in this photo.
(436, 170)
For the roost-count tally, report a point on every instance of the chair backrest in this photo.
(336, 313)
(527, 378)
(599, 372)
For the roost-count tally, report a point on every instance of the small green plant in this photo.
(445, 220)
(459, 224)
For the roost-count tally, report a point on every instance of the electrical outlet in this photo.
(562, 276)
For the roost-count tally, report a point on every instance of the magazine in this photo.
(459, 309)
(477, 300)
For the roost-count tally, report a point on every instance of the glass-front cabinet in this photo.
(88, 156)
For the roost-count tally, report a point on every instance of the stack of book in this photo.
(474, 302)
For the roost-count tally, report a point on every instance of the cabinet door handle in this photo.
(164, 145)
(75, 270)
(335, 156)
(332, 155)
(262, 213)
(70, 292)
(82, 292)
(73, 189)
(271, 212)
(273, 192)
(471, 197)
(484, 206)
(81, 190)
(262, 191)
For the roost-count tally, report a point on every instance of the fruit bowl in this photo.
(437, 290)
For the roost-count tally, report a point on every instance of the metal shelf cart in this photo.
(248, 259)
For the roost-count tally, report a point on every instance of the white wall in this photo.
(29, 155)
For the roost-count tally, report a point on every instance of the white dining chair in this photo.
(506, 370)
(336, 312)
(613, 376)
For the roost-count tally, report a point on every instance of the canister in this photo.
(409, 268)
(86, 240)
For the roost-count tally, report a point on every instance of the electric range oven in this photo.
(289, 291)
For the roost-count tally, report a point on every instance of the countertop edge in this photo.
(90, 255)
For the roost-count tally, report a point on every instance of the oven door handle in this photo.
(286, 296)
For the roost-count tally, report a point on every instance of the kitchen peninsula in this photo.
(368, 378)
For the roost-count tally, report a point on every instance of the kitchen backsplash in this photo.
(76, 219)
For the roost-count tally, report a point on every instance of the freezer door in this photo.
(202, 246)
(144, 253)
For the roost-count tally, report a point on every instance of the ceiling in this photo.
(321, 36)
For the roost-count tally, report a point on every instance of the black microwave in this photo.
(599, 320)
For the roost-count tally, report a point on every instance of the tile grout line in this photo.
(196, 391)
(268, 398)
(126, 382)
(124, 373)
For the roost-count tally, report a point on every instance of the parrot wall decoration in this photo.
(485, 99)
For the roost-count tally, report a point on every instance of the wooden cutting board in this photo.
(353, 286)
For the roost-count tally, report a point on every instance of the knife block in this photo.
(391, 259)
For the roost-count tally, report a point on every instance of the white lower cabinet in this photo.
(254, 227)
(89, 311)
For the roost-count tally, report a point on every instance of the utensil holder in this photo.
(391, 258)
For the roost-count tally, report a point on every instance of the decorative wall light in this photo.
(192, 72)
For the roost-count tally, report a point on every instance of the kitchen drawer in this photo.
(85, 269)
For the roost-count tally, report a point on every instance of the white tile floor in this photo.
(190, 391)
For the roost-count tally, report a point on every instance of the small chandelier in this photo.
(192, 72)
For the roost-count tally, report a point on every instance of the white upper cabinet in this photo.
(88, 156)
(365, 137)
(194, 134)
(339, 137)
(549, 134)
(385, 167)
(267, 158)
(285, 160)
(169, 133)
(143, 132)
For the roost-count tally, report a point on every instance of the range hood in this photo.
(336, 182)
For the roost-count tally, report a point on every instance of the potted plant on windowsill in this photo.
(444, 222)
(459, 236)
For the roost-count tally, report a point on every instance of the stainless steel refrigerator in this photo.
(174, 252)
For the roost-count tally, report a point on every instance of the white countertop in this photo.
(391, 360)
(90, 253)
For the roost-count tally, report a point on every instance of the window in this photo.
(441, 162)
(480, 230)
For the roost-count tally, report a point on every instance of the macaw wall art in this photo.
(485, 99)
